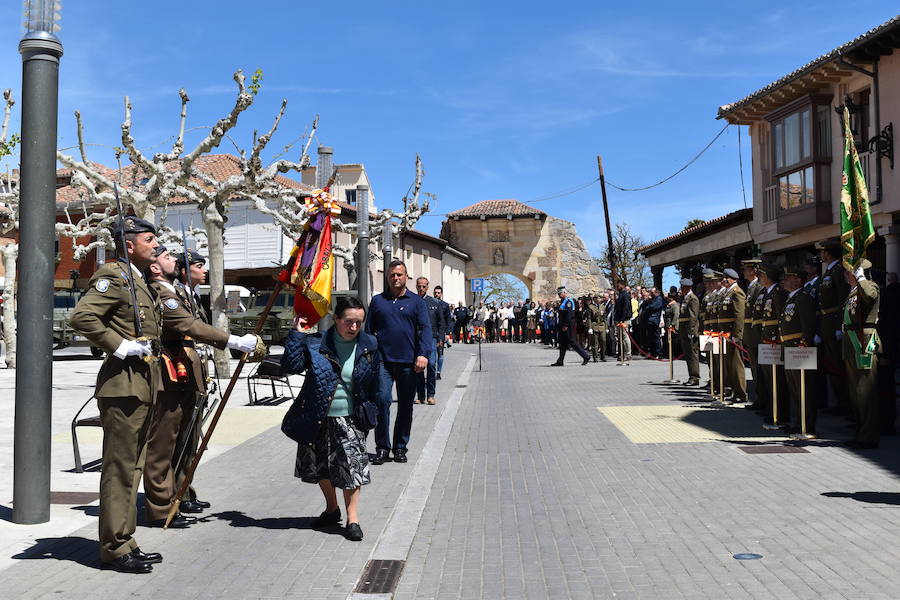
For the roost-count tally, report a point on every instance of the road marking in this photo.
(678, 424)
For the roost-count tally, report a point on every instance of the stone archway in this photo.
(507, 236)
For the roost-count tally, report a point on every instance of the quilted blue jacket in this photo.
(316, 356)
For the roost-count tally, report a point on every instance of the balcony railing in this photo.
(770, 197)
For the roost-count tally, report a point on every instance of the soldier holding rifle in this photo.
(121, 314)
(180, 398)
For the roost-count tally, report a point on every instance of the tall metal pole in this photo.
(362, 243)
(41, 51)
(609, 240)
(387, 249)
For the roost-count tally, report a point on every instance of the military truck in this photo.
(63, 334)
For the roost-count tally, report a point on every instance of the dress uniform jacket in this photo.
(596, 322)
(125, 391)
(860, 316)
(773, 302)
(833, 291)
(731, 313)
(797, 327)
(751, 333)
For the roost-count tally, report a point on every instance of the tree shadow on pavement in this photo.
(75, 549)
(236, 518)
(892, 498)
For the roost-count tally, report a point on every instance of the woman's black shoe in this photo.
(147, 557)
(327, 519)
(128, 564)
(353, 532)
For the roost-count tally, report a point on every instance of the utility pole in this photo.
(362, 243)
(609, 239)
(41, 51)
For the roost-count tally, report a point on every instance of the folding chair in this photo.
(86, 422)
(269, 370)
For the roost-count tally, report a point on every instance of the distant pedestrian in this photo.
(399, 320)
(448, 333)
(342, 369)
(427, 380)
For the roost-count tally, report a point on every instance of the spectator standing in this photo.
(655, 306)
(400, 322)
(461, 317)
(427, 380)
(622, 314)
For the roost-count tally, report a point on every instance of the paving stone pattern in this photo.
(538, 495)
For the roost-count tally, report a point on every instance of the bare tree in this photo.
(155, 181)
(503, 287)
(9, 222)
(630, 266)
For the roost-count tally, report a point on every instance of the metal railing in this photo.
(770, 197)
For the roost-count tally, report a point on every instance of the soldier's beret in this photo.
(194, 257)
(832, 247)
(792, 271)
(158, 251)
(731, 273)
(132, 224)
(772, 270)
(686, 282)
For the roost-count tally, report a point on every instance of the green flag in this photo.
(856, 220)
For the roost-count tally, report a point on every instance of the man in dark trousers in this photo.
(653, 314)
(448, 333)
(566, 328)
(621, 315)
(400, 321)
(427, 381)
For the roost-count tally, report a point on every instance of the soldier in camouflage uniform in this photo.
(182, 382)
(126, 385)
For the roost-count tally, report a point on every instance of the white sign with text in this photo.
(769, 354)
(800, 358)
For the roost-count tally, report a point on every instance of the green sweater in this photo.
(342, 405)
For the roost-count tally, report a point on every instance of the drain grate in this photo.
(380, 577)
(73, 497)
(773, 450)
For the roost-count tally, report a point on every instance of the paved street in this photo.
(529, 482)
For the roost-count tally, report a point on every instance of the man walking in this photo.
(448, 333)
(427, 381)
(566, 328)
(400, 321)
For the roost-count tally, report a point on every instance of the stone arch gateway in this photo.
(507, 236)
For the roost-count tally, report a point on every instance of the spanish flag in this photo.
(311, 268)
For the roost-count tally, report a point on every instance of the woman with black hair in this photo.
(342, 367)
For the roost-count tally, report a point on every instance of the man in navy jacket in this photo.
(400, 321)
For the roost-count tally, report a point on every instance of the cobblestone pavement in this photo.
(574, 482)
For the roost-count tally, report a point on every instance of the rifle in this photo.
(138, 326)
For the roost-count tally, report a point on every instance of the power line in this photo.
(673, 175)
(552, 196)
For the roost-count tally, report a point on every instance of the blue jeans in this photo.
(404, 376)
(426, 382)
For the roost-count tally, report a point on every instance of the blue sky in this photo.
(501, 99)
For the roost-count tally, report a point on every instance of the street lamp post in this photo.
(362, 243)
(41, 51)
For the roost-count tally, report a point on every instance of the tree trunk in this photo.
(10, 253)
(214, 225)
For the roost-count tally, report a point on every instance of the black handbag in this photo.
(365, 415)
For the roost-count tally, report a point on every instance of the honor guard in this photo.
(689, 330)
(715, 297)
(596, 320)
(121, 314)
(859, 344)
(797, 327)
(751, 331)
(670, 318)
(566, 325)
(732, 313)
(833, 292)
(174, 425)
(773, 301)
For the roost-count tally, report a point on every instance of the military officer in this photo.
(751, 332)
(797, 327)
(707, 320)
(732, 312)
(773, 301)
(688, 330)
(126, 384)
(715, 300)
(670, 319)
(183, 384)
(597, 328)
(833, 292)
(813, 268)
(859, 344)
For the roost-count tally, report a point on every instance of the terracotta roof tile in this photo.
(738, 215)
(497, 208)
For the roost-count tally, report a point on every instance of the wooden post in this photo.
(721, 367)
(803, 402)
(609, 240)
(671, 379)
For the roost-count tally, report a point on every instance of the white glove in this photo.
(590, 332)
(839, 334)
(245, 343)
(133, 348)
(817, 340)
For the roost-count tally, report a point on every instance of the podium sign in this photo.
(705, 340)
(769, 354)
(800, 358)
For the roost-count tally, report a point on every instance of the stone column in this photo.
(657, 276)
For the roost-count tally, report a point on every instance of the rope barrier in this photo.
(641, 350)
